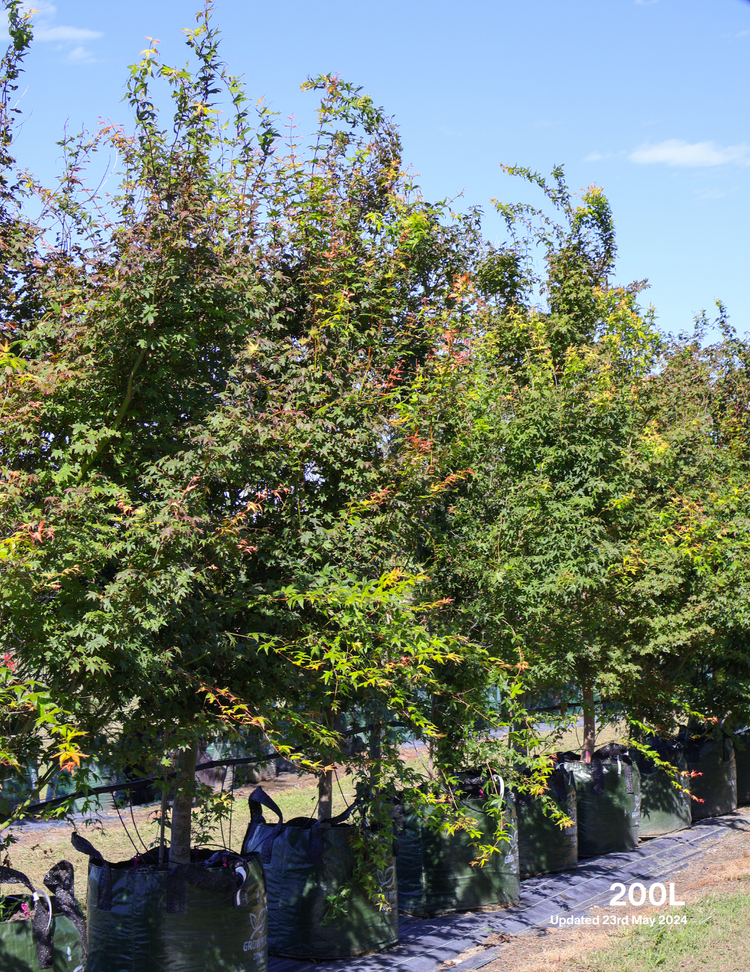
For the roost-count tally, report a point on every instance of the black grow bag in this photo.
(54, 935)
(608, 791)
(436, 874)
(664, 808)
(742, 761)
(207, 916)
(712, 756)
(545, 847)
(305, 861)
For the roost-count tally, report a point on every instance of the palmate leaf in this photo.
(198, 414)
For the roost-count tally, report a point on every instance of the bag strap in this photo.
(256, 801)
(628, 776)
(557, 778)
(84, 847)
(60, 879)
(597, 775)
(314, 853)
(10, 876)
(41, 923)
(344, 815)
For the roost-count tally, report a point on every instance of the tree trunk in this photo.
(163, 821)
(325, 795)
(179, 848)
(589, 722)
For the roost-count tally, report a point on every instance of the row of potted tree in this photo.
(288, 449)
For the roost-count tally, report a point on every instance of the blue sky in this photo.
(647, 98)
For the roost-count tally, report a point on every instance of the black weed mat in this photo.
(426, 943)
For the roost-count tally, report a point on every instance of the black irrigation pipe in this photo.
(209, 764)
(570, 705)
(137, 784)
(236, 761)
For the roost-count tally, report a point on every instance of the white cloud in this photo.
(676, 152)
(66, 34)
(43, 14)
(79, 55)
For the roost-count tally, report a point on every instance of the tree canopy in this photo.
(286, 448)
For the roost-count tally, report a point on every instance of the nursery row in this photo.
(227, 911)
(287, 449)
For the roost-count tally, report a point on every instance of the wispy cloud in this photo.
(80, 55)
(602, 156)
(67, 38)
(710, 194)
(676, 152)
(645, 3)
(66, 34)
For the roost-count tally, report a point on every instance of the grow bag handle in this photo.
(344, 815)
(597, 771)
(502, 796)
(315, 844)
(557, 779)
(256, 801)
(42, 932)
(83, 846)
(60, 879)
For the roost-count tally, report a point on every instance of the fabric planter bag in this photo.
(712, 756)
(305, 861)
(664, 808)
(543, 846)
(207, 916)
(435, 872)
(608, 791)
(53, 936)
(742, 762)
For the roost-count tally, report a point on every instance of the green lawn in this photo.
(716, 937)
(39, 850)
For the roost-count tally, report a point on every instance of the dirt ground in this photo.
(723, 869)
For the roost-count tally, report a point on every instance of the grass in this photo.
(716, 937)
(36, 851)
(571, 740)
